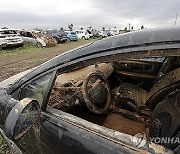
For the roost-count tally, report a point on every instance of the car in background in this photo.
(59, 36)
(108, 33)
(71, 36)
(10, 38)
(90, 33)
(82, 34)
(37, 38)
(30, 39)
(95, 34)
(102, 34)
(113, 32)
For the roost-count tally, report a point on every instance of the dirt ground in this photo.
(11, 65)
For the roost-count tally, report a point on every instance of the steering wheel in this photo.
(96, 93)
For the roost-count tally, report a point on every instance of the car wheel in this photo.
(83, 37)
(57, 41)
(39, 45)
(21, 45)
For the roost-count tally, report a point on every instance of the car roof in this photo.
(7, 29)
(147, 39)
(80, 30)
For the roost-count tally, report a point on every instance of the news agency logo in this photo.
(140, 140)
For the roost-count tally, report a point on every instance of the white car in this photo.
(113, 32)
(10, 37)
(82, 34)
(102, 33)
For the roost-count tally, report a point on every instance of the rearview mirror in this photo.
(22, 117)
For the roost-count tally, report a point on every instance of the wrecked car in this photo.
(59, 36)
(98, 98)
(36, 38)
(10, 38)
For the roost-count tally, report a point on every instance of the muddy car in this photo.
(10, 38)
(36, 38)
(115, 95)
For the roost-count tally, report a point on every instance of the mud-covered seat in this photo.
(131, 92)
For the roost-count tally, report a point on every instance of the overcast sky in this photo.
(83, 13)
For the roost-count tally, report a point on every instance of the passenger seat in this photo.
(138, 95)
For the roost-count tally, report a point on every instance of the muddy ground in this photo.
(11, 65)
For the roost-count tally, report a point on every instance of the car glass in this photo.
(54, 31)
(157, 59)
(8, 32)
(36, 89)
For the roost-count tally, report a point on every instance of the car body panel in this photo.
(66, 135)
(10, 81)
(60, 37)
(30, 38)
(71, 35)
(82, 34)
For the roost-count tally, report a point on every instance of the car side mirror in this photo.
(22, 117)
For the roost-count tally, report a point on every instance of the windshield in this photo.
(8, 32)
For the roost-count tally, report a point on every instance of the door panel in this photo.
(58, 136)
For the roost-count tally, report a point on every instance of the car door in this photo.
(28, 38)
(35, 88)
(60, 132)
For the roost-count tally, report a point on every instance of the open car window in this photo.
(116, 94)
(110, 87)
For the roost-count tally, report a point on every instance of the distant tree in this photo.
(103, 28)
(125, 28)
(142, 27)
(70, 26)
(132, 28)
(61, 29)
(81, 28)
(129, 26)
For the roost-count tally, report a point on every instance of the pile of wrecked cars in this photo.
(115, 95)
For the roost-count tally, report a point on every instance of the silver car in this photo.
(10, 37)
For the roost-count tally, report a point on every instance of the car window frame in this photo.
(60, 71)
(42, 105)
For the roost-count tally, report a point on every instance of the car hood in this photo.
(10, 81)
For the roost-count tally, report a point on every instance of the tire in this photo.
(39, 45)
(83, 37)
(21, 45)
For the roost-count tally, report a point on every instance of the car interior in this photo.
(117, 95)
